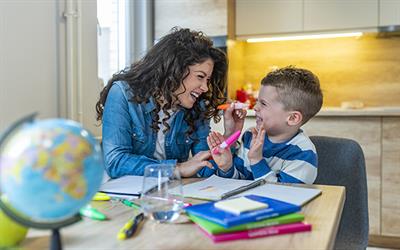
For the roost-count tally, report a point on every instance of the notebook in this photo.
(213, 228)
(216, 188)
(126, 186)
(260, 232)
(226, 219)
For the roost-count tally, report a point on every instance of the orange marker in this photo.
(236, 105)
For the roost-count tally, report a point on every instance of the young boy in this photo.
(277, 149)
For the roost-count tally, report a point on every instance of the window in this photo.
(111, 38)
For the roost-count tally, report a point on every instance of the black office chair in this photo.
(341, 162)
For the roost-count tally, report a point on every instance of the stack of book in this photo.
(249, 216)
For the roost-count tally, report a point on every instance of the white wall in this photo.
(33, 61)
(28, 60)
(209, 16)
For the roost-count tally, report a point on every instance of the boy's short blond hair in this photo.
(298, 90)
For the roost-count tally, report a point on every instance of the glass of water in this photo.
(162, 198)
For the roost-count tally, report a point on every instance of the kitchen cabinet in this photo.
(256, 17)
(339, 14)
(389, 12)
(391, 176)
(269, 16)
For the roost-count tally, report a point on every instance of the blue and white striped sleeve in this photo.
(298, 168)
(298, 164)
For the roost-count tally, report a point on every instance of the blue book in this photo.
(226, 219)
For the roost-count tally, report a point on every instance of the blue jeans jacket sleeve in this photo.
(117, 141)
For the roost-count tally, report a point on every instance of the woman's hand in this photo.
(224, 158)
(193, 165)
(233, 120)
(256, 146)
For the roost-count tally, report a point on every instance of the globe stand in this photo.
(55, 242)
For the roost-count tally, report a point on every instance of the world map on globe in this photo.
(50, 169)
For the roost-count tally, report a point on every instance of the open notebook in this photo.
(216, 188)
(128, 186)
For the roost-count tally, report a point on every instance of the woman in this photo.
(159, 109)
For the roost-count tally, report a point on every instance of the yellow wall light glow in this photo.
(303, 37)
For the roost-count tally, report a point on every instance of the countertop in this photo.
(367, 111)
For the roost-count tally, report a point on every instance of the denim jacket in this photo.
(129, 142)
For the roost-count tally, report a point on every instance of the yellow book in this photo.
(239, 205)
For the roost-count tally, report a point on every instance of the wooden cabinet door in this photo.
(257, 17)
(391, 176)
(322, 15)
(367, 132)
(389, 12)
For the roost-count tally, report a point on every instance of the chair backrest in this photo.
(341, 162)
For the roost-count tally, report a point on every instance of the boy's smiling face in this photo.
(270, 112)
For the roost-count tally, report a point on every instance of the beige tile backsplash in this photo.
(366, 69)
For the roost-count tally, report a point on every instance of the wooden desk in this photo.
(323, 213)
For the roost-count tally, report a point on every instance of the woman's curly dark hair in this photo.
(162, 70)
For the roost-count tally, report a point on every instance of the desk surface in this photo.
(324, 213)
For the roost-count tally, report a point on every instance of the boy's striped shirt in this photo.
(292, 161)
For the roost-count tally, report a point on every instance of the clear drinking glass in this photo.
(162, 198)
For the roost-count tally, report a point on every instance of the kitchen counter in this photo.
(337, 111)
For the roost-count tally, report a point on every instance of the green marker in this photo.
(92, 213)
(130, 204)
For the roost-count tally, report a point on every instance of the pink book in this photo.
(261, 232)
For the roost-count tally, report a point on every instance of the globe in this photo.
(49, 169)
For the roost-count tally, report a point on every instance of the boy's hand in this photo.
(224, 158)
(233, 120)
(256, 145)
(193, 165)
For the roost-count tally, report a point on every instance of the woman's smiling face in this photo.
(195, 84)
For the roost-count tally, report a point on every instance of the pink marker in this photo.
(231, 139)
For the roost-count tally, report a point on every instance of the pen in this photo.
(130, 227)
(241, 189)
(101, 197)
(92, 213)
(130, 204)
(236, 105)
(231, 139)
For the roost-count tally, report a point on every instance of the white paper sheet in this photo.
(212, 188)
